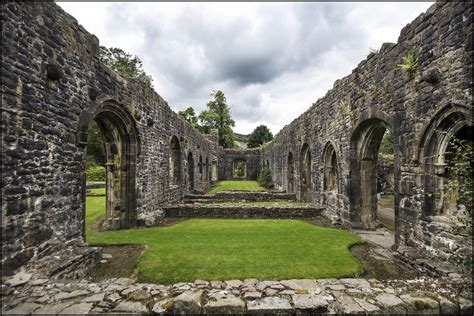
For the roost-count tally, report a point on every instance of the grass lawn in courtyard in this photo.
(220, 249)
(237, 185)
(98, 191)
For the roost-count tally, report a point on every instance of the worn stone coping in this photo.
(95, 185)
(242, 205)
(246, 192)
(27, 294)
(241, 211)
(238, 193)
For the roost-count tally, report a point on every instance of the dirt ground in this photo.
(379, 263)
(386, 212)
(123, 262)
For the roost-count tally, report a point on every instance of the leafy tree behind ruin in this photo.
(386, 145)
(190, 116)
(460, 184)
(217, 115)
(260, 135)
(264, 178)
(95, 153)
(125, 64)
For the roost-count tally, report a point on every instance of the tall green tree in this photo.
(386, 145)
(217, 115)
(260, 135)
(125, 64)
(95, 145)
(190, 116)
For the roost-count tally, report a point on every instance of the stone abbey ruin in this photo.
(54, 86)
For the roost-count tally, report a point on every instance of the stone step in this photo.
(215, 201)
(198, 196)
(242, 211)
(241, 196)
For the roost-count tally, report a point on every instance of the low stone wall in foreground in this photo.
(25, 295)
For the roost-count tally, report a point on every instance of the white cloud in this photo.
(272, 60)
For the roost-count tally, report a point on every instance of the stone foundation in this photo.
(241, 211)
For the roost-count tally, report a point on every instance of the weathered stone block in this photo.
(229, 305)
(273, 305)
(188, 303)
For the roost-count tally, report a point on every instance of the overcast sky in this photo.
(272, 60)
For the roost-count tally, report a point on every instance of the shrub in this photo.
(461, 184)
(95, 173)
(239, 169)
(264, 178)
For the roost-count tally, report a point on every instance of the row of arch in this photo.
(330, 171)
(122, 143)
(122, 148)
(176, 168)
(361, 185)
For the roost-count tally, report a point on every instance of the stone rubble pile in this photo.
(23, 294)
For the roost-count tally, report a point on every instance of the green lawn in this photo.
(98, 191)
(237, 185)
(95, 208)
(219, 249)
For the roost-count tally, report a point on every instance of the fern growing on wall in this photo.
(410, 62)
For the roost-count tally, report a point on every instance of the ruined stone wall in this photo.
(375, 96)
(227, 158)
(52, 85)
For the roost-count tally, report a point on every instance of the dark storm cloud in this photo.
(272, 60)
(242, 50)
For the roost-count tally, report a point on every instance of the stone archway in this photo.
(435, 157)
(305, 174)
(200, 164)
(290, 173)
(364, 148)
(214, 171)
(122, 149)
(330, 169)
(190, 166)
(206, 170)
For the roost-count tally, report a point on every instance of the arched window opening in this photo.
(206, 173)
(190, 173)
(290, 173)
(214, 172)
(305, 174)
(200, 167)
(330, 169)
(175, 161)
